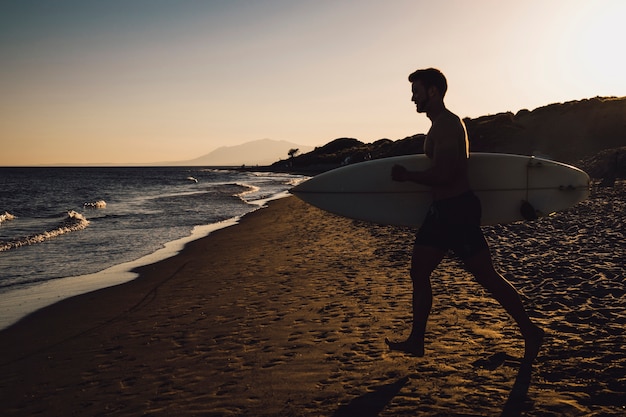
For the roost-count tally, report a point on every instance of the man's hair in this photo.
(430, 77)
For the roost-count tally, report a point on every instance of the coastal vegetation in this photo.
(589, 133)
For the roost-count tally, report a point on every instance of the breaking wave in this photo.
(6, 217)
(72, 222)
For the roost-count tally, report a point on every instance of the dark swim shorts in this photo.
(454, 224)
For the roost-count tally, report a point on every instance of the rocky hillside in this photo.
(590, 133)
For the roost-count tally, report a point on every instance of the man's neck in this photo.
(435, 111)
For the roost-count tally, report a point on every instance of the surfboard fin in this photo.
(527, 211)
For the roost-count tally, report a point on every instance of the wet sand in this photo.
(285, 314)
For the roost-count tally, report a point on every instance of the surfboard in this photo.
(511, 188)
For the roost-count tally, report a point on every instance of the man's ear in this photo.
(432, 91)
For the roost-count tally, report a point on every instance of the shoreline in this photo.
(286, 314)
(17, 304)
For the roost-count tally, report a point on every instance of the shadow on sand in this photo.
(518, 400)
(372, 403)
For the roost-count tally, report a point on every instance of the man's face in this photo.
(420, 97)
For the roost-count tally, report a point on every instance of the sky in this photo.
(140, 81)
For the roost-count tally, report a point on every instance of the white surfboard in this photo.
(365, 191)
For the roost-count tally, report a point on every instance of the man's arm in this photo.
(445, 162)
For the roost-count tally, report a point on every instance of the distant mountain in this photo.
(259, 152)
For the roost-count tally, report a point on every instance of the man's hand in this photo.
(399, 173)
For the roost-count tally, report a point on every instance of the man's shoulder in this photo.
(448, 122)
(452, 118)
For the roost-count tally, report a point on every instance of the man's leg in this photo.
(424, 261)
(481, 266)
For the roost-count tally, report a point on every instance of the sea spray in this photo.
(6, 217)
(73, 222)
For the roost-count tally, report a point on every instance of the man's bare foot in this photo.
(533, 343)
(412, 347)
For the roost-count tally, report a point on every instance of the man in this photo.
(453, 221)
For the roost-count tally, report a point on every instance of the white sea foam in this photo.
(73, 222)
(6, 217)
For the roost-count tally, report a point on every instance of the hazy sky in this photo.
(161, 80)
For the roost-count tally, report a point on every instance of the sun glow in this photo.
(593, 43)
(164, 82)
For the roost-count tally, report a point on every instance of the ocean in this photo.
(70, 230)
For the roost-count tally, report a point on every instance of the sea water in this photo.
(67, 230)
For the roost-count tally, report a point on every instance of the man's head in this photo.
(427, 84)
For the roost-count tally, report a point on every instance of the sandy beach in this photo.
(285, 314)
